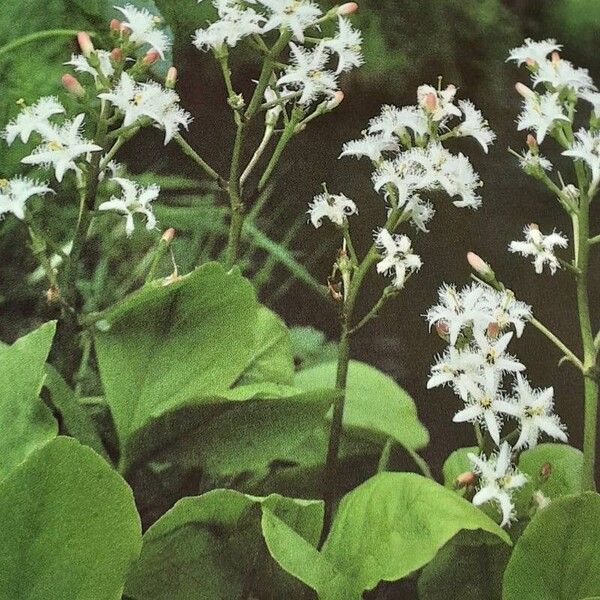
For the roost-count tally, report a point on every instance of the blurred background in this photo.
(407, 43)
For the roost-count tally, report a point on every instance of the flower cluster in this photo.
(405, 147)
(549, 107)
(478, 323)
(310, 74)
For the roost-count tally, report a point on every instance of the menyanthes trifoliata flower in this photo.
(540, 247)
(347, 45)
(498, 480)
(295, 15)
(540, 113)
(134, 199)
(15, 192)
(34, 118)
(397, 259)
(532, 52)
(143, 28)
(336, 207)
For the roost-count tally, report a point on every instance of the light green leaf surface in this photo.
(70, 529)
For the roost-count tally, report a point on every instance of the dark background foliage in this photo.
(406, 43)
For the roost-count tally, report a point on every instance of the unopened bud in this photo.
(545, 471)
(335, 101)
(151, 57)
(532, 142)
(493, 329)
(171, 78)
(480, 266)
(524, 90)
(125, 31)
(115, 25)
(116, 54)
(464, 479)
(73, 86)
(347, 9)
(168, 235)
(555, 57)
(429, 102)
(85, 43)
(442, 329)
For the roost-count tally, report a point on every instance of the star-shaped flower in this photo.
(533, 52)
(34, 118)
(134, 199)
(143, 26)
(540, 246)
(15, 192)
(347, 45)
(475, 125)
(540, 114)
(296, 15)
(397, 257)
(336, 207)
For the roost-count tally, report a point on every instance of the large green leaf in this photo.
(376, 406)
(25, 421)
(167, 346)
(211, 546)
(468, 567)
(388, 527)
(69, 527)
(557, 556)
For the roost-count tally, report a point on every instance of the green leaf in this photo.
(75, 419)
(386, 528)
(272, 359)
(26, 422)
(69, 527)
(556, 557)
(166, 346)
(564, 464)
(210, 546)
(376, 406)
(310, 347)
(468, 567)
(394, 524)
(456, 464)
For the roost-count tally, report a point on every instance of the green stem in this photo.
(38, 36)
(421, 463)
(191, 153)
(569, 354)
(235, 200)
(161, 250)
(384, 459)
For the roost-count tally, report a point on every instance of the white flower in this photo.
(308, 73)
(461, 368)
(540, 113)
(531, 162)
(151, 100)
(234, 24)
(336, 207)
(594, 99)
(393, 121)
(346, 44)
(587, 148)
(533, 52)
(458, 178)
(134, 199)
(534, 408)
(492, 353)
(404, 173)
(505, 310)
(498, 480)
(421, 212)
(372, 146)
(80, 63)
(61, 147)
(33, 118)
(561, 73)
(484, 406)
(460, 310)
(143, 26)
(398, 259)
(438, 103)
(296, 15)
(540, 246)
(15, 192)
(474, 125)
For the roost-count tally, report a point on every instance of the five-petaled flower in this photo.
(398, 259)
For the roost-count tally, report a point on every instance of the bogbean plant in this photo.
(192, 386)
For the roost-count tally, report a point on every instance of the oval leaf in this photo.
(69, 527)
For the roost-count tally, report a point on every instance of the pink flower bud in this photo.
(171, 78)
(555, 57)
(534, 226)
(442, 329)
(493, 329)
(151, 57)
(85, 43)
(524, 90)
(477, 263)
(531, 142)
(464, 479)
(73, 86)
(125, 31)
(337, 99)
(168, 235)
(348, 8)
(115, 25)
(429, 102)
(116, 54)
